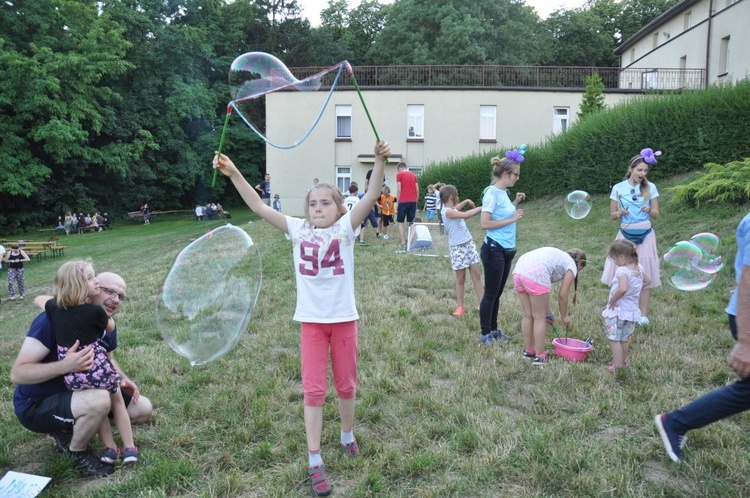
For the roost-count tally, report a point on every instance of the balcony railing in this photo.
(512, 76)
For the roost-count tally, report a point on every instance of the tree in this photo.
(593, 96)
(458, 32)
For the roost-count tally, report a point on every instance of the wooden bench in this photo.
(136, 216)
(58, 250)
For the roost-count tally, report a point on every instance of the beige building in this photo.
(431, 114)
(686, 36)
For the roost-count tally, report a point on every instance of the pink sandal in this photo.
(319, 480)
(351, 449)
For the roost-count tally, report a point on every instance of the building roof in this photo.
(658, 21)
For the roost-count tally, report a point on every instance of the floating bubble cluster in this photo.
(208, 296)
(578, 204)
(692, 265)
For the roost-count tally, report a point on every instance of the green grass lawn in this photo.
(437, 414)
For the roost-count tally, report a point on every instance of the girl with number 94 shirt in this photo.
(323, 249)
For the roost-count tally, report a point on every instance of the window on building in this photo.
(343, 121)
(655, 39)
(650, 79)
(683, 67)
(414, 121)
(688, 20)
(417, 170)
(488, 122)
(343, 178)
(724, 56)
(560, 119)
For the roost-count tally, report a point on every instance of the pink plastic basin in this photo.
(571, 349)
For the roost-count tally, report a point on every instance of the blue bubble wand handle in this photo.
(221, 140)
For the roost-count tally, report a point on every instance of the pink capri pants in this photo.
(316, 339)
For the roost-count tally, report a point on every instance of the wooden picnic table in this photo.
(38, 248)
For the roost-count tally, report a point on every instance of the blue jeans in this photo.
(496, 261)
(716, 405)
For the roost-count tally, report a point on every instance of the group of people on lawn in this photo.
(79, 223)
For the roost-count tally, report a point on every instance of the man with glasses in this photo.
(44, 405)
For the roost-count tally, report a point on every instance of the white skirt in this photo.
(648, 257)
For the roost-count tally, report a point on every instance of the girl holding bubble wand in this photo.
(77, 325)
(463, 251)
(635, 203)
(622, 313)
(533, 276)
(323, 251)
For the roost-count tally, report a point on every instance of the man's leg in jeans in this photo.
(709, 408)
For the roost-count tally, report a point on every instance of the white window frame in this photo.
(342, 113)
(726, 44)
(560, 120)
(343, 178)
(488, 122)
(415, 121)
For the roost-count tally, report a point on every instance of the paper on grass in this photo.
(18, 484)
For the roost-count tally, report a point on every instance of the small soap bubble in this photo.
(578, 204)
(209, 295)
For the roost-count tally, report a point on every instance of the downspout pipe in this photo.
(708, 41)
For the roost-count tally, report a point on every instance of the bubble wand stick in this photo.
(361, 99)
(221, 140)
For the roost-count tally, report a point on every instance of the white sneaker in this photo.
(644, 321)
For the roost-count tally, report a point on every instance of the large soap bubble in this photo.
(692, 265)
(257, 73)
(712, 259)
(209, 295)
(578, 204)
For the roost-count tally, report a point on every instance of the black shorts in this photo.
(51, 414)
(387, 220)
(406, 211)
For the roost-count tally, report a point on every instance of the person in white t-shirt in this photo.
(463, 250)
(323, 249)
(533, 276)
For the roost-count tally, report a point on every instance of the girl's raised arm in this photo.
(364, 206)
(248, 193)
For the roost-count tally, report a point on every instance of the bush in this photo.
(692, 128)
(729, 184)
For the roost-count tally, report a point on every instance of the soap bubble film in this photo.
(209, 295)
(692, 265)
(578, 204)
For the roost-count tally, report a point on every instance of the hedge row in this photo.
(691, 128)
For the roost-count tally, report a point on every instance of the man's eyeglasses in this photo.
(111, 292)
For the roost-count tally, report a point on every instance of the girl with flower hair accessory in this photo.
(635, 203)
(498, 216)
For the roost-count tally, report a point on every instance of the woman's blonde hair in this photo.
(71, 286)
(580, 259)
(501, 165)
(336, 195)
(635, 161)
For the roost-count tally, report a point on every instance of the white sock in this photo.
(314, 459)
(347, 437)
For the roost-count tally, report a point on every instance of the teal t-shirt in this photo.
(500, 207)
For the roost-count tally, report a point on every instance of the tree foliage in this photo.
(593, 96)
(107, 104)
